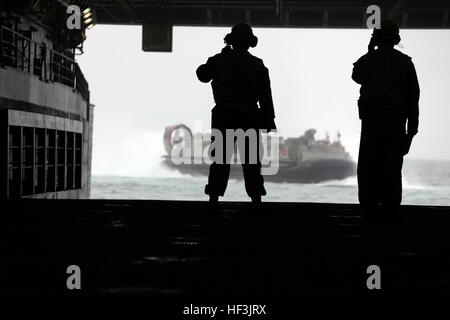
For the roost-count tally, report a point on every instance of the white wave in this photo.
(416, 186)
(132, 156)
(350, 181)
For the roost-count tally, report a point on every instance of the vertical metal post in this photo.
(34, 169)
(73, 161)
(14, 45)
(55, 167)
(20, 161)
(81, 160)
(22, 54)
(1, 47)
(4, 152)
(29, 55)
(45, 160)
(34, 59)
(51, 64)
(65, 160)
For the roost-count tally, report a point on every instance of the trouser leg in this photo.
(392, 193)
(391, 197)
(217, 179)
(369, 180)
(219, 171)
(367, 174)
(379, 177)
(254, 181)
(251, 166)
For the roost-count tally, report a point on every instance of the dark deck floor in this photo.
(182, 250)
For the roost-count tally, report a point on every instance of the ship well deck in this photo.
(183, 250)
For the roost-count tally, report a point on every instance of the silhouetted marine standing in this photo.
(239, 81)
(389, 113)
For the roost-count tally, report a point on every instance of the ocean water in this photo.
(425, 182)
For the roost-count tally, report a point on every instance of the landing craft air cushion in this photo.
(301, 160)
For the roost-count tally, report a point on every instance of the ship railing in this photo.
(21, 52)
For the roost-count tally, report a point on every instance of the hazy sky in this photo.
(138, 94)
